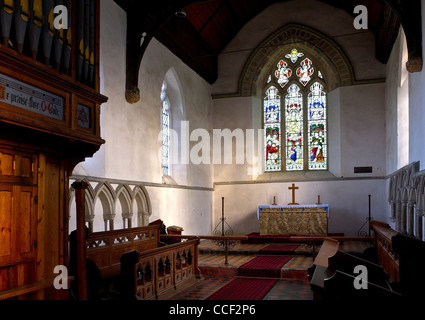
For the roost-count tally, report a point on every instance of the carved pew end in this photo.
(127, 285)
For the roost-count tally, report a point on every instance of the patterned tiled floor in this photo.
(293, 285)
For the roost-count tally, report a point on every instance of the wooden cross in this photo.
(293, 188)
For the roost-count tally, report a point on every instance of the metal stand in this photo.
(368, 219)
(224, 243)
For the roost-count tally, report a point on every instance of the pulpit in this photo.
(294, 219)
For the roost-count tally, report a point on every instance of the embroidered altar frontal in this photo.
(294, 220)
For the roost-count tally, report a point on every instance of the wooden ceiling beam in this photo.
(410, 14)
(144, 18)
(386, 33)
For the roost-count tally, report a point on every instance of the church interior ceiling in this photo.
(204, 29)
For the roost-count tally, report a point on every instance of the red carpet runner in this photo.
(279, 248)
(264, 266)
(244, 289)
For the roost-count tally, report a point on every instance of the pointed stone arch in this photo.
(142, 204)
(124, 196)
(105, 193)
(330, 56)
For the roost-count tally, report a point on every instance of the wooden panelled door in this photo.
(18, 218)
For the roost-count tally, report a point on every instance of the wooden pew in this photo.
(104, 250)
(318, 271)
(332, 275)
(159, 273)
(340, 286)
(384, 249)
(346, 263)
(411, 254)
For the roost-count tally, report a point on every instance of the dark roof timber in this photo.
(211, 24)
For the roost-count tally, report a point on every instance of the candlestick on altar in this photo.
(274, 201)
(318, 200)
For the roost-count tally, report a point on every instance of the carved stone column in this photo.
(403, 217)
(398, 215)
(411, 218)
(419, 232)
(393, 211)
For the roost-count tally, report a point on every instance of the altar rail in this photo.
(159, 273)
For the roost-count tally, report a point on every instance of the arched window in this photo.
(165, 129)
(295, 135)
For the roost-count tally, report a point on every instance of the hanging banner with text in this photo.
(25, 96)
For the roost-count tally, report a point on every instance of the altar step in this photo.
(292, 249)
(295, 269)
(255, 237)
(213, 260)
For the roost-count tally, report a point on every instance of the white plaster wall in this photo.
(359, 46)
(131, 130)
(189, 209)
(397, 107)
(348, 201)
(363, 129)
(417, 110)
(391, 102)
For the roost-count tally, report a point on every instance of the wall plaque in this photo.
(30, 98)
(83, 116)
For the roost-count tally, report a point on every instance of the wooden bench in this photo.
(340, 286)
(104, 250)
(318, 271)
(159, 273)
(411, 255)
(332, 275)
(386, 256)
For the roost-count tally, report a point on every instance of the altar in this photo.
(294, 219)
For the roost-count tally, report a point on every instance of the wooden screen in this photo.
(18, 234)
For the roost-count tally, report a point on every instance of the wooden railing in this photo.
(106, 248)
(224, 241)
(387, 258)
(159, 273)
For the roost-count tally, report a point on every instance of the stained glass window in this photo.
(295, 116)
(283, 73)
(165, 127)
(294, 55)
(305, 71)
(317, 133)
(272, 128)
(294, 129)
